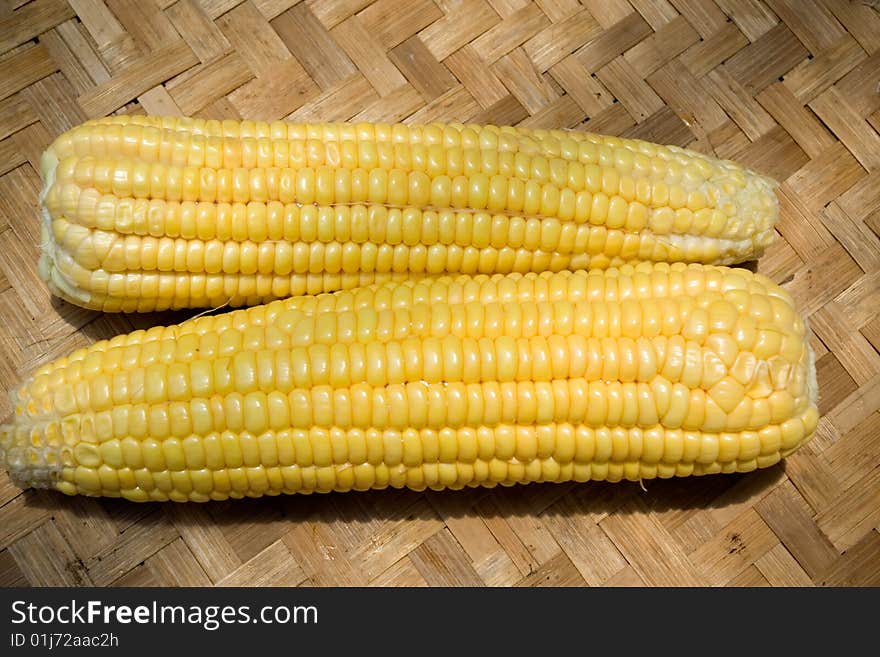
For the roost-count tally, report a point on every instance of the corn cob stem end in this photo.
(47, 266)
(29, 464)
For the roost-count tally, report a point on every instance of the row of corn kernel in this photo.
(565, 443)
(382, 226)
(237, 483)
(579, 201)
(219, 363)
(115, 252)
(634, 177)
(322, 446)
(274, 220)
(431, 360)
(105, 254)
(639, 281)
(628, 282)
(148, 291)
(202, 485)
(126, 375)
(333, 261)
(185, 150)
(128, 131)
(724, 407)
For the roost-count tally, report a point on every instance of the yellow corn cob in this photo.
(144, 213)
(631, 373)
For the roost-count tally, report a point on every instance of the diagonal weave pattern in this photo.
(789, 88)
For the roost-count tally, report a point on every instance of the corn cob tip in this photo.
(28, 465)
(760, 205)
(50, 251)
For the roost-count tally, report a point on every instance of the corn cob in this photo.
(144, 213)
(631, 373)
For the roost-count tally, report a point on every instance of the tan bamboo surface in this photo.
(788, 87)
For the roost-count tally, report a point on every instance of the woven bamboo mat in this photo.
(789, 87)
